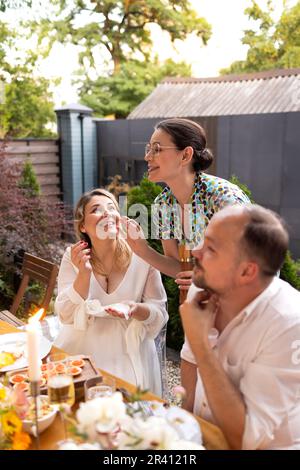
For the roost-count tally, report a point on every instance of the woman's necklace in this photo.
(98, 267)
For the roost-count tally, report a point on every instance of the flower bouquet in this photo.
(109, 423)
(13, 408)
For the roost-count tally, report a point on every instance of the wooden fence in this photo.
(44, 156)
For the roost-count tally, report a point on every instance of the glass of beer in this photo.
(60, 385)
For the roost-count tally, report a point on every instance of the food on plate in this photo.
(74, 370)
(7, 359)
(60, 368)
(44, 408)
(44, 367)
(45, 376)
(17, 378)
(21, 386)
(43, 382)
(77, 363)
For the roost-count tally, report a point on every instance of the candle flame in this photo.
(37, 316)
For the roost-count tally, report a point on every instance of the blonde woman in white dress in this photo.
(98, 271)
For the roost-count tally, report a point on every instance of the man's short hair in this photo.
(265, 238)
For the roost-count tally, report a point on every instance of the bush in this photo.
(29, 222)
(290, 269)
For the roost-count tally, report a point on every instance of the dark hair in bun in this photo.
(187, 133)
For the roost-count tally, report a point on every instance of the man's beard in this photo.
(199, 278)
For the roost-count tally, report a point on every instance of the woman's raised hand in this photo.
(80, 257)
(184, 279)
(133, 234)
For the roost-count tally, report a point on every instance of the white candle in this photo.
(33, 348)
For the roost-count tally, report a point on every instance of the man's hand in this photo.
(198, 317)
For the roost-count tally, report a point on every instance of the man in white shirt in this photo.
(248, 383)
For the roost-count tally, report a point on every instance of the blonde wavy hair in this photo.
(123, 253)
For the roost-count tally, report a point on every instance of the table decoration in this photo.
(13, 406)
(109, 423)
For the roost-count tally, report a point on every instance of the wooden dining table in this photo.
(213, 438)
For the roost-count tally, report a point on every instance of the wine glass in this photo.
(60, 385)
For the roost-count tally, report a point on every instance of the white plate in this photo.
(18, 341)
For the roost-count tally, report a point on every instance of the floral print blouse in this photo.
(210, 195)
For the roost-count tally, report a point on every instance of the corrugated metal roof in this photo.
(274, 91)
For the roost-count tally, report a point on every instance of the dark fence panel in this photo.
(263, 152)
(121, 146)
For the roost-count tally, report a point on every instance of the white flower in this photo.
(185, 445)
(154, 433)
(101, 414)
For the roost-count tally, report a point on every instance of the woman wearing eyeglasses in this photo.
(178, 156)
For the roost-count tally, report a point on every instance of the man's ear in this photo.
(249, 271)
(187, 155)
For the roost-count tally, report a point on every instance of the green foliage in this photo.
(118, 29)
(145, 194)
(290, 271)
(234, 180)
(29, 181)
(271, 45)
(175, 334)
(122, 91)
(26, 106)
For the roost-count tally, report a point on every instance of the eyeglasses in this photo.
(156, 148)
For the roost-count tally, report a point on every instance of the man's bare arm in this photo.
(188, 381)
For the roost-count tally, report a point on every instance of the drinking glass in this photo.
(99, 387)
(60, 385)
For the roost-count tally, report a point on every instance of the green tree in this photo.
(26, 105)
(273, 44)
(118, 28)
(121, 92)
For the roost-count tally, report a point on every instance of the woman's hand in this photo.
(184, 279)
(134, 235)
(138, 311)
(80, 257)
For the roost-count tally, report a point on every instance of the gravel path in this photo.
(173, 374)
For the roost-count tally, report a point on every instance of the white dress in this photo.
(122, 347)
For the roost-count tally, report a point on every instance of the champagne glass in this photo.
(60, 385)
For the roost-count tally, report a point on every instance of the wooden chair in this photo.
(33, 268)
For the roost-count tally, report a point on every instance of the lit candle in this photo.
(33, 347)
